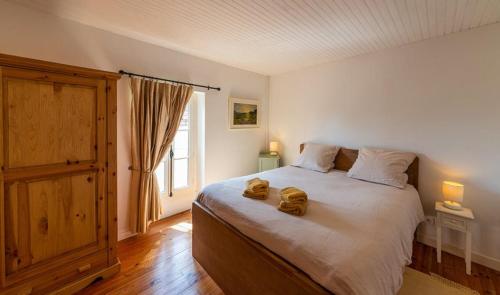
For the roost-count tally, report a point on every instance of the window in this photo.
(180, 149)
(177, 160)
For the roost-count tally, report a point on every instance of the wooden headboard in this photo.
(346, 158)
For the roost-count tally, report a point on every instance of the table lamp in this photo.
(273, 148)
(453, 194)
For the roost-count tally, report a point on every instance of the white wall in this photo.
(439, 98)
(32, 34)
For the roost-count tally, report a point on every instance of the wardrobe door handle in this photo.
(84, 268)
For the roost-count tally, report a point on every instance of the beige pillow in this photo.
(318, 157)
(382, 166)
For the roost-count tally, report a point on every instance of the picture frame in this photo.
(244, 113)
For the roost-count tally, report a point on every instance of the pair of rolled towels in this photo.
(293, 200)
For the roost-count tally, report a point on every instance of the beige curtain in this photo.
(157, 110)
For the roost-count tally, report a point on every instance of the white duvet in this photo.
(355, 237)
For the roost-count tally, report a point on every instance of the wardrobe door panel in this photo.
(64, 215)
(49, 122)
(50, 217)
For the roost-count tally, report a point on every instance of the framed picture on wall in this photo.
(244, 113)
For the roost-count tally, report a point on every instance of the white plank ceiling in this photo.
(276, 36)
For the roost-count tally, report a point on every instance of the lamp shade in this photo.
(273, 146)
(453, 191)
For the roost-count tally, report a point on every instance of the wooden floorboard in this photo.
(482, 278)
(160, 262)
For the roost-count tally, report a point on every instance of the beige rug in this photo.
(417, 283)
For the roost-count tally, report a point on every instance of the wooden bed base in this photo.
(240, 265)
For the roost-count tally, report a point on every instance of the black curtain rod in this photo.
(167, 80)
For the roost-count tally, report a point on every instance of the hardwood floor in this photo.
(160, 262)
(482, 279)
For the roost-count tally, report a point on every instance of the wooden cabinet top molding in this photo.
(34, 64)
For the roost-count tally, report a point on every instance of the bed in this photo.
(355, 238)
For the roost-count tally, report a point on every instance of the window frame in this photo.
(189, 155)
(169, 160)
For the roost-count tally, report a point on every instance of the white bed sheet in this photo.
(355, 238)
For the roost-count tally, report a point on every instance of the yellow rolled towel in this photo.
(260, 195)
(293, 195)
(298, 209)
(257, 185)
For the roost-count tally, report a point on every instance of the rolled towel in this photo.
(298, 209)
(293, 195)
(257, 185)
(260, 195)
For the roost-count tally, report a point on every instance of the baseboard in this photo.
(125, 234)
(478, 258)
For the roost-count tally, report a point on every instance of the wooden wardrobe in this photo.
(58, 225)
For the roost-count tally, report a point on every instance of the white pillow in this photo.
(382, 166)
(318, 157)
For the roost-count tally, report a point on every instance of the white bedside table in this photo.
(268, 161)
(457, 220)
